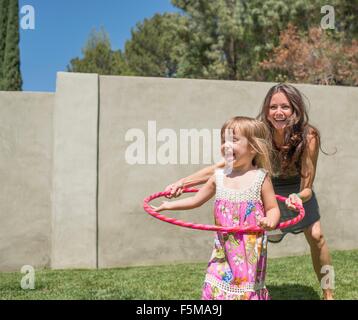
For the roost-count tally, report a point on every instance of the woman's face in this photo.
(280, 111)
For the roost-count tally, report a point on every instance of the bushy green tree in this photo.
(156, 47)
(216, 39)
(227, 38)
(98, 57)
(346, 13)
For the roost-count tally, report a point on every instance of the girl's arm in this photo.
(270, 206)
(196, 178)
(309, 164)
(202, 196)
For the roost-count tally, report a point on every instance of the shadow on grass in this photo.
(292, 292)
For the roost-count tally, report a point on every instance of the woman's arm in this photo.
(202, 196)
(270, 205)
(196, 178)
(308, 167)
(309, 164)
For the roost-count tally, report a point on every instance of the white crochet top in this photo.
(252, 193)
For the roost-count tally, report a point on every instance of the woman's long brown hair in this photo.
(295, 137)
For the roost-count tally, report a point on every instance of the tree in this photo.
(10, 79)
(211, 49)
(3, 26)
(98, 57)
(314, 58)
(227, 39)
(220, 39)
(346, 12)
(155, 47)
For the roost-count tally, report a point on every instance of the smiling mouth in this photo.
(230, 155)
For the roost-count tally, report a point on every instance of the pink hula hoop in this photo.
(207, 227)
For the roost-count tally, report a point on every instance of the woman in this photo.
(297, 146)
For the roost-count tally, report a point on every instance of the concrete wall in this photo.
(72, 200)
(74, 207)
(129, 237)
(26, 177)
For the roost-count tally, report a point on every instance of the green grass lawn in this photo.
(287, 278)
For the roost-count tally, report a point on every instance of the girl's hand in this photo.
(292, 200)
(266, 223)
(163, 206)
(176, 189)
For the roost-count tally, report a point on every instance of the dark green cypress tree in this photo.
(3, 27)
(11, 77)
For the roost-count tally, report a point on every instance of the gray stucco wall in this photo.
(26, 178)
(74, 206)
(127, 236)
(71, 199)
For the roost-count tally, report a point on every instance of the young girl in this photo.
(244, 196)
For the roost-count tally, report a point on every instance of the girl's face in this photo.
(238, 151)
(280, 111)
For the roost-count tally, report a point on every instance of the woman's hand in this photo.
(267, 223)
(176, 189)
(292, 200)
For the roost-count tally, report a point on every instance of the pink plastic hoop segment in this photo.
(207, 227)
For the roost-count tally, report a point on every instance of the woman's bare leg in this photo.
(319, 253)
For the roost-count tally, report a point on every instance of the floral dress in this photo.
(237, 267)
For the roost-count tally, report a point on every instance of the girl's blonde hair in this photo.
(258, 136)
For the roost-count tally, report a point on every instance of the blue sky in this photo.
(62, 28)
